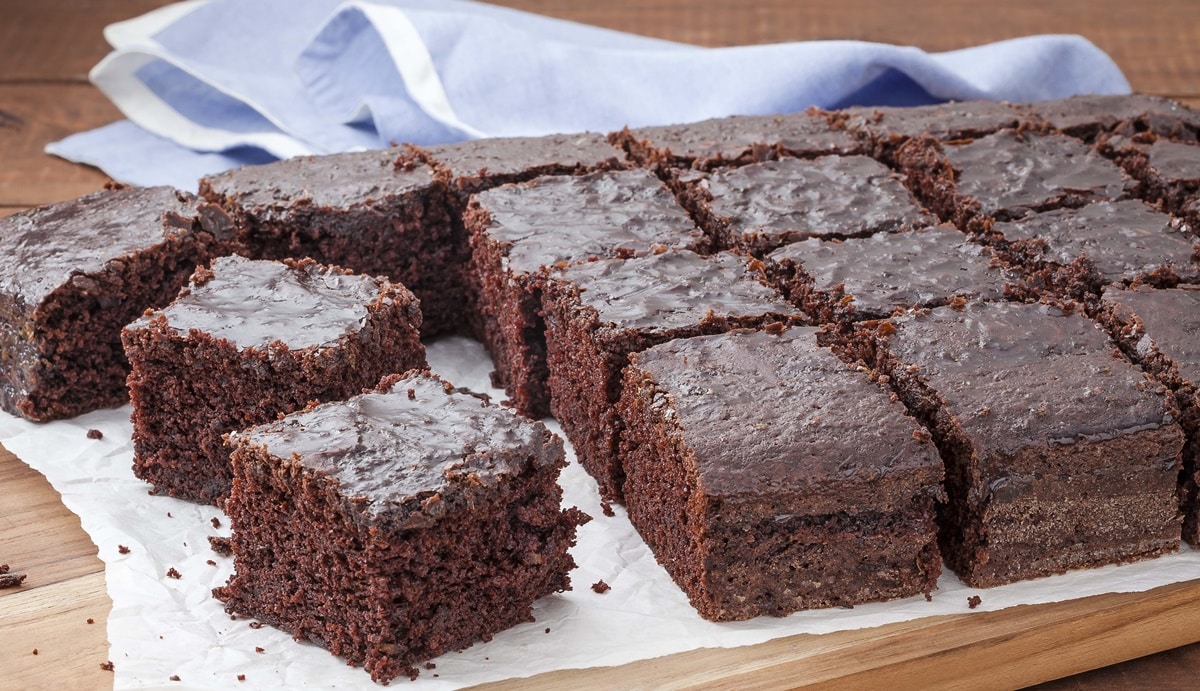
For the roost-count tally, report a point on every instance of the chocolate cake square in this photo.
(398, 525)
(1090, 116)
(885, 129)
(769, 477)
(1059, 452)
(519, 231)
(598, 313)
(75, 273)
(1075, 252)
(358, 211)
(843, 281)
(1168, 171)
(1008, 175)
(480, 164)
(246, 342)
(737, 140)
(760, 207)
(1160, 330)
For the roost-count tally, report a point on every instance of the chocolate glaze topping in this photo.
(1123, 240)
(832, 196)
(1174, 162)
(511, 157)
(44, 248)
(768, 414)
(254, 303)
(799, 134)
(1012, 173)
(673, 290)
(1078, 114)
(889, 270)
(1018, 374)
(394, 451)
(1171, 319)
(572, 218)
(338, 181)
(941, 121)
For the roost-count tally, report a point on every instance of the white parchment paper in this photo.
(162, 627)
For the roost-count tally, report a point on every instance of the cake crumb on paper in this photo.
(974, 601)
(601, 587)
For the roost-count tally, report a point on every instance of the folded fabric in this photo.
(212, 84)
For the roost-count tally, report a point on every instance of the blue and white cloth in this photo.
(209, 85)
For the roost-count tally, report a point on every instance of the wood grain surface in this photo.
(46, 49)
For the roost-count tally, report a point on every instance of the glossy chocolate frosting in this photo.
(1019, 374)
(1123, 240)
(44, 248)
(799, 134)
(520, 157)
(571, 218)
(877, 274)
(964, 120)
(1171, 323)
(775, 415)
(831, 196)
(408, 449)
(254, 303)
(675, 289)
(337, 181)
(1013, 173)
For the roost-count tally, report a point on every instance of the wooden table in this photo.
(46, 48)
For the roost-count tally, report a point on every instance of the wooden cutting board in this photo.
(1005, 649)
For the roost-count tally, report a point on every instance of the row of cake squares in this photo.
(666, 291)
(376, 214)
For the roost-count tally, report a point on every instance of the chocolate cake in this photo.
(1160, 330)
(769, 477)
(1075, 252)
(598, 313)
(480, 164)
(885, 129)
(1169, 172)
(1090, 116)
(1008, 175)
(247, 342)
(397, 525)
(1059, 453)
(74, 274)
(760, 207)
(519, 231)
(358, 211)
(869, 278)
(737, 140)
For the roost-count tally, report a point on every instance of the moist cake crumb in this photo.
(600, 587)
(95, 434)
